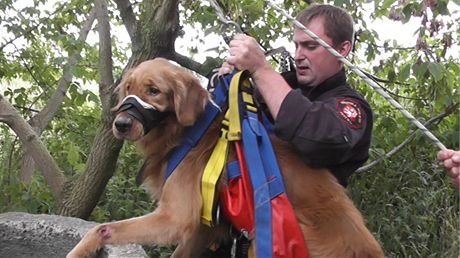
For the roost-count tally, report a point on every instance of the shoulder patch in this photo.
(350, 112)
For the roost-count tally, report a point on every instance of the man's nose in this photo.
(299, 54)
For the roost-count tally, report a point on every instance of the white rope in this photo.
(355, 69)
(221, 16)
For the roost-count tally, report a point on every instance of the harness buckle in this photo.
(240, 244)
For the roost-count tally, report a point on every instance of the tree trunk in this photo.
(157, 32)
(101, 163)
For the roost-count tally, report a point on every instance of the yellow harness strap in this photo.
(211, 175)
(234, 133)
(218, 159)
(248, 99)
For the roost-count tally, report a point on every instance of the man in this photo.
(451, 161)
(313, 107)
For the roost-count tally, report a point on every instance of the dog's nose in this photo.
(123, 124)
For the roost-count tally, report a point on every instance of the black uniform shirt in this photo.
(330, 125)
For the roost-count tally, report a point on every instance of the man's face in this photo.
(314, 64)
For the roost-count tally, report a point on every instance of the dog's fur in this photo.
(330, 223)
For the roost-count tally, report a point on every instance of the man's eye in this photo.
(311, 46)
(153, 91)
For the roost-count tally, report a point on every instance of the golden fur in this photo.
(331, 224)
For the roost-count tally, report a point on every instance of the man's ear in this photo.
(345, 48)
(190, 98)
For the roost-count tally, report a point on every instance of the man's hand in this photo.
(451, 160)
(226, 68)
(246, 54)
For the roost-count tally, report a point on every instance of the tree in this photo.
(49, 58)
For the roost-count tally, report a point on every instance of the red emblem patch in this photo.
(350, 112)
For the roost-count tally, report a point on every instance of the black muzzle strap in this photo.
(142, 111)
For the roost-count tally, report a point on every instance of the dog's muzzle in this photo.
(142, 111)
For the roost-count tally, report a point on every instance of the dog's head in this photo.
(154, 93)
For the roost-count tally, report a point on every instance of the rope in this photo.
(286, 63)
(355, 69)
(221, 16)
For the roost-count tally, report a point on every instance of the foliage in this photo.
(406, 200)
(123, 198)
(71, 135)
(410, 206)
(15, 195)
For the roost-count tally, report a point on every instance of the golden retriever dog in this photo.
(330, 223)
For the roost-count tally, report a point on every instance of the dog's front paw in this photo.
(91, 242)
(77, 253)
(72, 254)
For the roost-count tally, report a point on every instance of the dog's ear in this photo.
(190, 98)
(122, 89)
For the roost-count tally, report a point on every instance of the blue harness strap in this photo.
(262, 200)
(272, 169)
(194, 133)
(265, 177)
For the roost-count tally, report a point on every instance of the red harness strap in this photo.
(236, 197)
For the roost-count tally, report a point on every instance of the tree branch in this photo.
(201, 68)
(31, 142)
(128, 17)
(41, 120)
(187, 62)
(409, 139)
(105, 55)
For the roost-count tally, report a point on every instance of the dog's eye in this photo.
(153, 91)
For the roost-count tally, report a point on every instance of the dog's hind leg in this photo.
(200, 240)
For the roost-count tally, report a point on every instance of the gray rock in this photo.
(24, 235)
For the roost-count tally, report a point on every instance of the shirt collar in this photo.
(332, 82)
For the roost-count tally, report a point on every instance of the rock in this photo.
(24, 235)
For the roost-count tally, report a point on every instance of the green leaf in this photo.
(441, 8)
(339, 2)
(80, 168)
(391, 75)
(387, 3)
(436, 70)
(420, 70)
(72, 154)
(404, 72)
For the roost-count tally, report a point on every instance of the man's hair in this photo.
(338, 24)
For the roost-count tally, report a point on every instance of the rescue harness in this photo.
(254, 200)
